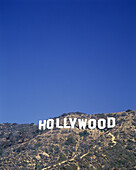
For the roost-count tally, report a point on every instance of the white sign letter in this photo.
(82, 123)
(65, 123)
(72, 122)
(111, 122)
(42, 124)
(92, 124)
(101, 123)
(57, 124)
(50, 123)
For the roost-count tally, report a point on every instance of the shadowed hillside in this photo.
(25, 147)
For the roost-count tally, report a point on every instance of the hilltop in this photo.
(23, 146)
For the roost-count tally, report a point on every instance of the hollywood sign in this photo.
(82, 123)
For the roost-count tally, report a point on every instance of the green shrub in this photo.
(128, 110)
(84, 133)
(38, 145)
(70, 140)
(62, 157)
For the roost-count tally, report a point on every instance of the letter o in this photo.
(101, 123)
(90, 124)
(50, 124)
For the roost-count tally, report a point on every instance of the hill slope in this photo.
(25, 147)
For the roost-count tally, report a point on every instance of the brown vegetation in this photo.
(25, 147)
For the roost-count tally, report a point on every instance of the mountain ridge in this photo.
(23, 146)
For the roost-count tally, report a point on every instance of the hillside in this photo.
(23, 146)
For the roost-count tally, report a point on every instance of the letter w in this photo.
(82, 123)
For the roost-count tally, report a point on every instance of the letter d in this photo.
(110, 122)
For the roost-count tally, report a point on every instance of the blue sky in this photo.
(64, 56)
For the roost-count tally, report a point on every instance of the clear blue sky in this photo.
(63, 56)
